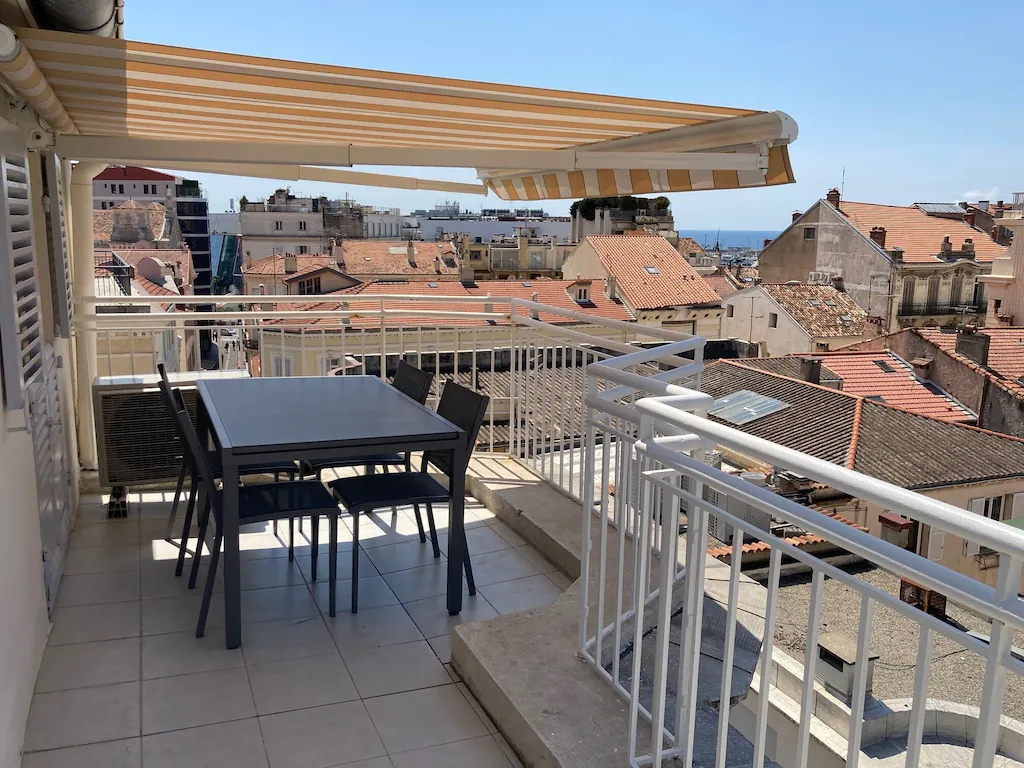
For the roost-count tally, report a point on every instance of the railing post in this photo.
(587, 495)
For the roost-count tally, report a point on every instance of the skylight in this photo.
(814, 302)
(744, 407)
(527, 285)
(651, 270)
(830, 303)
(885, 366)
(431, 285)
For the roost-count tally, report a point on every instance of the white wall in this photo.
(256, 247)
(751, 312)
(23, 620)
(488, 229)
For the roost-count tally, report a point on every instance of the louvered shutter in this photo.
(21, 339)
(60, 267)
(936, 540)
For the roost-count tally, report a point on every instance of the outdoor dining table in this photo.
(319, 417)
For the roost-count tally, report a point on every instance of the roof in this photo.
(888, 443)
(721, 282)
(821, 310)
(790, 366)
(629, 259)
(551, 292)
(178, 258)
(130, 222)
(916, 233)
(131, 173)
(687, 245)
(1005, 354)
(367, 257)
(898, 386)
(118, 88)
(152, 289)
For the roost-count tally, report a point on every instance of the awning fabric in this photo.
(111, 87)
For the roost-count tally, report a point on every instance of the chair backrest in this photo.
(411, 381)
(194, 452)
(465, 409)
(172, 409)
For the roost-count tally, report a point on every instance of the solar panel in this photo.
(744, 407)
(884, 366)
(934, 209)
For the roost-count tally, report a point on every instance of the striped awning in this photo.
(119, 88)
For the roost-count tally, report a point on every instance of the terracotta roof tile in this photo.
(918, 234)
(819, 309)
(720, 283)
(629, 260)
(899, 387)
(369, 257)
(687, 245)
(131, 173)
(129, 219)
(1005, 354)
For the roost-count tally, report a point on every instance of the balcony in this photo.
(592, 454)
(928, 308)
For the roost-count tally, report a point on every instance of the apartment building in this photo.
(526, 254)
(282, 224)
(915, 265)
(120, 183)
(132, 224)
(649, 276)
(786, 318)
(622, 215)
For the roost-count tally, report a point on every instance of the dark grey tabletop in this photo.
(315, 412)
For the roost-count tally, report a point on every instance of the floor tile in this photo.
(380, 529)
(373, 762)
(126, 753)
(507, 750)
(481, 752)
(402, 557)
(419, 583)
(95, 588)
(225, 745)
(506, 565)
(432, 617)
(366, 567)
(101, 559)
(373, 627)
(423, 718)
(508, 534)
(373, 593)
(300, 683)
(560, 580)
(186, 701)
(182, 653)
(394, 668)
(259, 546)
(179, 614)
(158, 579)
(452, 672)
(480, 540)
(263, 643)
(86, 664)
(83, 716)
(105, 535)
(521, 594)
(484, 717)
(277, 603)
(543, 564)
(274, 572)
(87, 623)
(320, 737)
(442, 647)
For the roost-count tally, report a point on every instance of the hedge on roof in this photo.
(588, 206)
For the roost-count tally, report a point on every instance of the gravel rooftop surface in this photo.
(957, 674)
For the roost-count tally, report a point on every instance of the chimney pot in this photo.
(767, 242)
(947, 245)
(878, 235)
(810, 369)
(973, 345)
(797, 215)
(968, 245)
(833, 197)
(410, 253)
(838, 283)
(611, 288)
(970, 217)
(999, 204)
(437, 265)
(291, 264)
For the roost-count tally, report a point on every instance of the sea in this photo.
(731, 238)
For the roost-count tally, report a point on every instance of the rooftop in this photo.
(130, 222)
(650, 272)
(131, 173)
(721, 282)
(821, 310)
(916, 233)
(888, 377)
(894, 445)
(369, 257)
(687, 245)
(1005, 354)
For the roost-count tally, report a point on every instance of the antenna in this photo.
(842, 185)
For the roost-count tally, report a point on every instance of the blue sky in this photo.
(914, 99)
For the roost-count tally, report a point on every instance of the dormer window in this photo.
(582, 293)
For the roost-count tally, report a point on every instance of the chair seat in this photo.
(392, 459)
(265, 468)
(358, 494)
(274, 501)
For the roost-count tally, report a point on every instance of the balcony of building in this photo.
(940, 309)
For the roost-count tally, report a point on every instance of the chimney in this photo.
(838, 283)
(291, 264)
(999, 204)
(970, 217)
(973, 345)
(922, 367)
(797, 215)
(968, 246)
(533, 312)
(983, 204)
(947, 246)
(767, 242)
(611, 288)
(263, 292)
(338, 250)
(878, 235)
(810, 369)
(833, 197)
(995, 234)
(410, 253)
(437, 265)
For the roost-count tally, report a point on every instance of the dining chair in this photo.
(213, 460)
(365, 493)
(256, 504)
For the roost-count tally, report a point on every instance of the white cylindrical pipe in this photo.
(84, 286)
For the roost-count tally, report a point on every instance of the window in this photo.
(474, 255)
(281, 366)
(327, 363)
(302, 226)
(278, 225)
(809, 233)
(582, 293)
(302, 249)
(729, 310)
(103, 206)
(309, 286)
(991, 508)
(773, 320)
(120, 189)
(145, 189)
(651, 270)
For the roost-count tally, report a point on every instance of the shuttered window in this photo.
(60, 268)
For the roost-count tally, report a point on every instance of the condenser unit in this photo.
(135, 438)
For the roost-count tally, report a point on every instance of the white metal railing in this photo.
(631, 535)
(1018, 201)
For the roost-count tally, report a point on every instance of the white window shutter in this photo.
(977, 506)
(60, 268)
(1017, 510)
(936, 540)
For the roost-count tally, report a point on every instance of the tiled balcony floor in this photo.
(124, 681)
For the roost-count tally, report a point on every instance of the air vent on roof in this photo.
(744, 407)
(527, 285)
(885, 366)
(431, 285)
(652, 270)
(875, 398)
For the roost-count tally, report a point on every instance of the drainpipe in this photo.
(84, 271)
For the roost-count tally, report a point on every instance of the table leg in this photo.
(457, 530)
(232, 583)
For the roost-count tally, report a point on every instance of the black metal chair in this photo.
(213, 460)
(256, 503)
(365, 493)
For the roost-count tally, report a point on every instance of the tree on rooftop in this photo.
(588, 206)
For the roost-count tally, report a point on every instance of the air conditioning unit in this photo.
(754, 518)
(135, 438)
(819, 278)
